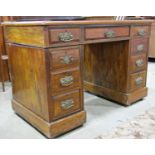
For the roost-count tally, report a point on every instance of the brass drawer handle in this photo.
(141, 32)
(67, 104)
(139, 62)
(66, 36)
(66, 81)
(66, 59)
(139, 81)
(140, 47)
(110, 34)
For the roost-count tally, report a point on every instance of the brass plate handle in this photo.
(141, 32)
(139, 62)
(66, 81)
(139, 81)
(140, 47)
(67, 59)
(110, 34)
(66, 36)
(67, 104)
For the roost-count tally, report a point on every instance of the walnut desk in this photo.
(52, 62)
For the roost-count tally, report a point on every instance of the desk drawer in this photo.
(66, 104)
(139, 46)
(66, 80)
(137, 80)
(65, 58)
(64, 35)
(138, 63)
(101, 33)
(140, 31)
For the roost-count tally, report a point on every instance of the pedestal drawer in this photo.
(65, 58)
(137, 80)
(140, 31)
(137, 63)
(65, 80)
(64, 35)
(109, 32)
(66, 104)
(139, 46)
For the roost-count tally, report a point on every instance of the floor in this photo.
(102, 115)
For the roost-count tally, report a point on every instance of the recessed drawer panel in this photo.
(65, 35)
(139, 46)
(66, 80)
(66, 104)
(65, 58)
(109, 32)
(140, 31)
(138, 63)
(137, 80)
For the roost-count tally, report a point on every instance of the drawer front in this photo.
(138, 63)
(65, 58)
(66, 104)
(140, 31)
(65, 81)
(137, 80)
(139, 46)
(64, 35)
(101, 33)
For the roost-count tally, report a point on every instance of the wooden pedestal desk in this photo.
(52, 62)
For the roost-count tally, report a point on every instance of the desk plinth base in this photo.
(52, 129)
(122, 98)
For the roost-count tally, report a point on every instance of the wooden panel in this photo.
(152, 42)
(74, 33)
(139, 46)
(135, 31)
(138, 63)
(33, 36)
(65, 58)
(137, 80)
(29, 78)
(105, 65)
(66, 104)
(100, 33)
(73, 82)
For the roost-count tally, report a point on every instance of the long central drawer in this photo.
(109, 32)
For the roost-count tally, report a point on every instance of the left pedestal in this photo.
(47, 94)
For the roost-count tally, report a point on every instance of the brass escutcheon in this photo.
(141, 32)
(140, 47)
(67, 104)
(66, 36)
(110, 34)
(139, 62)
(66, 81)
(66, 59)
(139, 81)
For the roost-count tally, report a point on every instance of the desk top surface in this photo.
(80, 22)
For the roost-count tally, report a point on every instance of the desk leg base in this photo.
(52, 129)
(122, 98)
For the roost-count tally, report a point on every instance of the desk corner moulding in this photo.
(53, 62)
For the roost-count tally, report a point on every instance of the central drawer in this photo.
(65, 80)
(106, 32)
